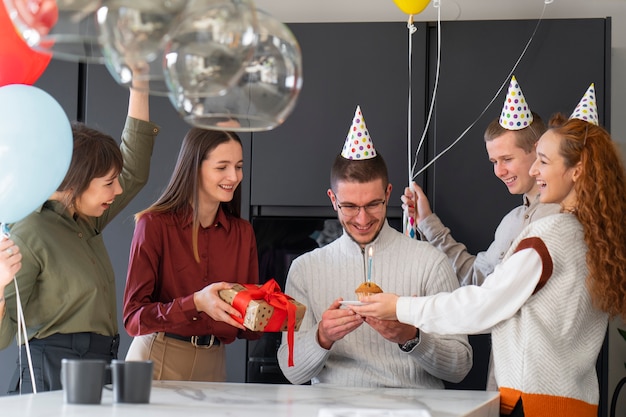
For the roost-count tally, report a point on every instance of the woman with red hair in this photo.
(548, 303)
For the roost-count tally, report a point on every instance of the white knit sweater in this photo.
(364, 358)
(545, 345)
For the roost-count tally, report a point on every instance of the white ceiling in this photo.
(290, 11)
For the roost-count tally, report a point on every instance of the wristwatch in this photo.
(410, 344)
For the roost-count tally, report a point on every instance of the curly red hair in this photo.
(601, 208)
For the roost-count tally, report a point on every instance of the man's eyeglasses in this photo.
(349, 210)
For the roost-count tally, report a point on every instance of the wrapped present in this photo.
(264, 308)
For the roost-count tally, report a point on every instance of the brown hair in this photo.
(181, 194)
(362, 170)
(525, 138)
(94, 155)
(601, 208)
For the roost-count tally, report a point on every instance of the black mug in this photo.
(132, 381)
(82, 380)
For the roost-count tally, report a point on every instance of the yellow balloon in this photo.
(411, 6)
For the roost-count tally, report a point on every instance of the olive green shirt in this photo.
(67, 283)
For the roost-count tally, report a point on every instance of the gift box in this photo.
(264, 307)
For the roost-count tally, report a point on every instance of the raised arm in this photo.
(138, 100)
(470, 269)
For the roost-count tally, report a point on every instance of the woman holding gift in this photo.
(184, 246)
(547, 305)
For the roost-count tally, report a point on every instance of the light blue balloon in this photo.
(35, 149)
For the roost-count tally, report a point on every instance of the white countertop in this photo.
(174, 398)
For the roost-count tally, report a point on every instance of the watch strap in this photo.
(410, 344)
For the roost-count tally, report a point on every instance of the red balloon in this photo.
(19, 64)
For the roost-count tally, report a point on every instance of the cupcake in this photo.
(367, 288)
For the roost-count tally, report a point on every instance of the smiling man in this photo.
(510, 141)
(334, 345)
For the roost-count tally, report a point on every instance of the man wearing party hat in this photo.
(334, 345)
(510, 141)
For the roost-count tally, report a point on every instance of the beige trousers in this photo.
(177, 360)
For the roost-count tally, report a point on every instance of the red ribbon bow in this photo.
(270, 292)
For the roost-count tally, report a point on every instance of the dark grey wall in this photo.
(476, 58)
(345, 65)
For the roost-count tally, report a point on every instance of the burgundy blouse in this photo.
(163, 274)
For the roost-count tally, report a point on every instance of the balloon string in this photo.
(408, 222)
(21, 324)
(412, 29)
(504, 84)
(435, 87)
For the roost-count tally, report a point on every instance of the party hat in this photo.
(586, 109)
(358, 143)
(516, 114)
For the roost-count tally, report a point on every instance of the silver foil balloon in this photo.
(132, 34)
(206, 50)
(65, 28)
(264, 95)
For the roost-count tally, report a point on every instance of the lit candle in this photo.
(370, 255)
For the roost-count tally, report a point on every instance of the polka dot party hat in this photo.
(586, 109)
(358, 144)
(515, 114)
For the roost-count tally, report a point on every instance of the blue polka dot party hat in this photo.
(516, 114)
(358, 144)
(586, 109)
